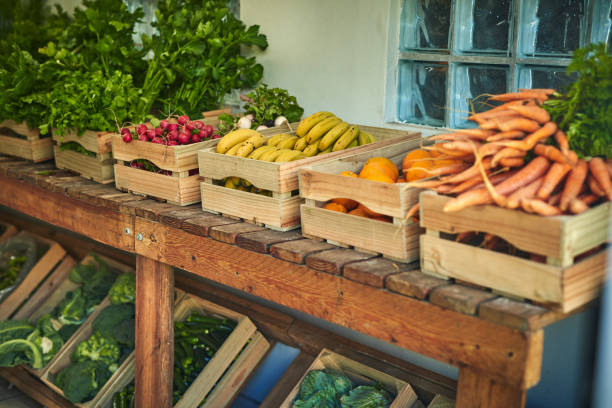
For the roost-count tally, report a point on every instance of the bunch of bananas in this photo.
(238, 183)
(318, 134)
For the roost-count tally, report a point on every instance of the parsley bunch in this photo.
(584, 113)
(265, 104)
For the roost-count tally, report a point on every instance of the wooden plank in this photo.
(333, 261)
(61, 211)
(21, 128)
(297, 251)
(229, 233)
(512, 313)
(31, 386)
(478, 390)
(97, 142)
(36, 150)
(290, 379)
(95, 168)
(414, 283)
(154, 333)
(261, 241)
(441, 401)
(8, 231)
(202, 224)
(175, 218)
(460, 298)
(373, 272)
(449, 336)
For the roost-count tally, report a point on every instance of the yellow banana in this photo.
(328, 150)
(321, 128)
(311, 150)
(269, 153)
(245, 149)
(346, 139)
(274, 140)
(365, 138)
(232, 182)
(233, 138)
(291, 155)
(287, 143)
(354, 143)
(330, 137)
(273, 155)
(300, 144)
(256, 154)
(308, 123)
(245, 183)
(234, 149)
(257, 140)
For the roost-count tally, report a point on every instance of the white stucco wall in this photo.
(331, 54)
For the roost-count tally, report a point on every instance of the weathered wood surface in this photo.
(477, 390)
(31, 386)
(154, 333)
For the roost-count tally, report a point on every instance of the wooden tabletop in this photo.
(493, 339)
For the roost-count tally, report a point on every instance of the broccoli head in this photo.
(117, 321)
(366, 396)
(123, 290)
(96, 280)
(97, 348)
(81, 381)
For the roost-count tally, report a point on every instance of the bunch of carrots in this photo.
(517, 158)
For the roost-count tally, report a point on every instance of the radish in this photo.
(183, 119)
(198, 124)
(157, 140)
(244, 123)
(141, 129)
(172, 135)
(172, 143)
(189, 126)
(151, 134)
(127, 137)
(159, 131)
(280, 120)
(203, 135)
(164, 124)
(183, 138)
(173, 126)
(209, 130)
(195, 139)
(143, 138)
(125, 130)
(216, 136)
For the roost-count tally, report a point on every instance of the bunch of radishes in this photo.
(181, 131)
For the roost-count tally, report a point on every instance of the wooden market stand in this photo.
(496, 342)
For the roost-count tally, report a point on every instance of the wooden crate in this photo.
(6, 230)
(561, 282)
(359, 374)
(51, 292)
(281, 211)
(30, 146)
(180, 188)
(98, 168)
(321, 182)
(39, 272)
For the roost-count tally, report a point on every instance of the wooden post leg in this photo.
(154, 333)
(478, 390)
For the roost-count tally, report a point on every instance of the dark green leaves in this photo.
(268, 103)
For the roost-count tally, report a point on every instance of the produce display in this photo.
(17, 256)
(196, 340)
(326, 388)
(112, 340)
(170, 131)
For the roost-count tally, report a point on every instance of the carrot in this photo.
(465, 236)
(513, 96)
(554, 199)
(573, 157)
(488, 149)
(536, 113)
(588, 199)
(574, 182)
(529, 191)
(440, 171)
(490, 114)
(444, 188)
(495, 180)
(594, 187)
(539, 207)
(513, 134)
(526, 125)
(545, 91)
(469, 173)
(412, 211)
(554, 176)
(512, 161)
(530, 141)
(490, 241)
(507, 152)
(551, 153)
(609, 166)
(494, 122)
(476, 132)
(507, 104)
(562, 141)
(451, 136)
(577, 206)
(535, 169)
(460, 146)
(599, 170)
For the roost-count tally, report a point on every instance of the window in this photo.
(452, 52)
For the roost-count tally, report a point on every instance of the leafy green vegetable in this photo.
(585, 112)
(96, 279)
(123, 290)
(15, 329)
(322, 389)
(268, 103)
(117, 321)
(17, 344)
(72, 310)
(98, 348)
(76, 147)
(81, 381)
(365, 396)
(8, 276)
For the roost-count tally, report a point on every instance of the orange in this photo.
(413, 156)
(369, 213)
(373, 172)
(416, 171)
(358, 212)
(334, 207)
(347, 203)
(393, 172)
(348, 173)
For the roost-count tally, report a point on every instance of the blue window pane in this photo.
(552, 27)
(602, 22)
(483, 26)
(425, 24)
(472, 84)
(422, 92)
(544, 77)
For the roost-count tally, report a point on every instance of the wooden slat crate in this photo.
(230, 366)
(30, 146)
(6, 230)
(321, 182)
(359, 374)
(281, 211)
(53, 291)
(46, 264)
(98, 168)
(562, 282)
(180, 188)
